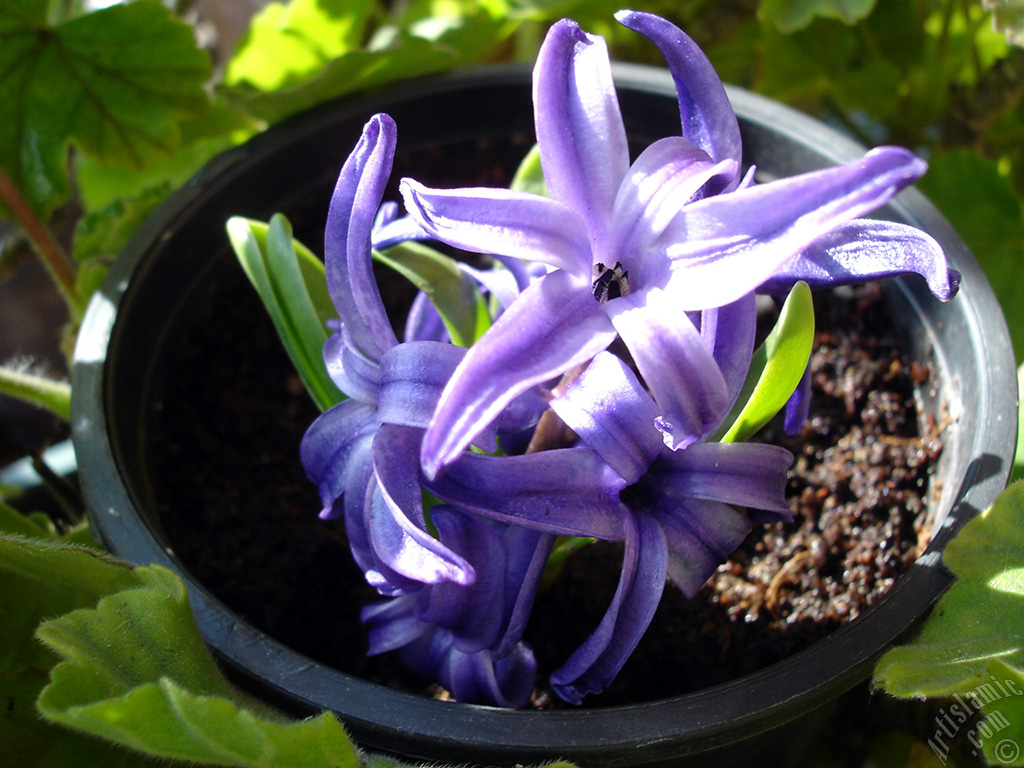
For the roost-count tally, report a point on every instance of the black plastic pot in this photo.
(965, 341)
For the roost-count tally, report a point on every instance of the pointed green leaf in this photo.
(455, 295)
(114, 82)
(136, 671)
(292, 284)
(776, 368)
(529, 176)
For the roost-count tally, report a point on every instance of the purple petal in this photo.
(568, 491)
(580, 134)
(334, 445)
(479, 678)
(746, 474)
(725, 246)
(866, 250)
(498, 281)
(700, 535)
(351, 371)
(554, 325)
(399, 230)
(354, 204)
(472, 613)
(666, 176)
(503, 222)
(678, 368)
(391, 624)
(613, 414)
(527, 554)
(595, 664)
(398, 530)
(424, 323)
(799, 404)
(708, 119)
(413, 375)
(729, 333)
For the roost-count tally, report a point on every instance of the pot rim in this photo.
(619, 735)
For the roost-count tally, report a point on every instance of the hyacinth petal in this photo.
(424, 323)
(725, 246)
(353, 208)
(350, 370)
(865, 250)
(396, 522)
(577, 120)
(598, 660)
(613, 414)
(567, 491)
(390, 624)
(471, 613)
(479, 678)
(799, 404)
(708, 119)
(334, 443)
(527, 554)
(746, 474)
(413, 375)
(729, 333)
(700, 536)
(502, 222)
(679, 370)
(666, 176)
(551, 327)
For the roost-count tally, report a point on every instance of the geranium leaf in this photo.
(135, 670)
(776, 368)
(973, 639)
(791, 15)
(114, 82)
(291, 282)
(287, 43)
(453, 293)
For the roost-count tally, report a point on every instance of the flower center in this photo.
(610, 283)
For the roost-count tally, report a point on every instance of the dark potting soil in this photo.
(243, 518)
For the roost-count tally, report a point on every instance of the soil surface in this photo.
(242, 516)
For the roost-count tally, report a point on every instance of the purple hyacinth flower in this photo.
(363, 454)
(468, 637)
(679, 520)
(632, 245)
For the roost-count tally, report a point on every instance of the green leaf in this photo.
(452, 291)
(292, 284)
(115, 83)
(288, 43)
(972, 645)
(135, 670)
(791, 15)
(465, 33)
(529, 176)
(776, 368)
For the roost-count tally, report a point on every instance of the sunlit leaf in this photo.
(790, 15)
(529, 176)
(286, 43)
(136, 670)
(973, 641)
(114, 82)
(292, 284)
(452, 291)
(776, 368)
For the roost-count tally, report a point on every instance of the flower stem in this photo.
(52, 255)
(53, 395)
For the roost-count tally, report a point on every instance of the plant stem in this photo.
(53, 257)
(53, 395)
